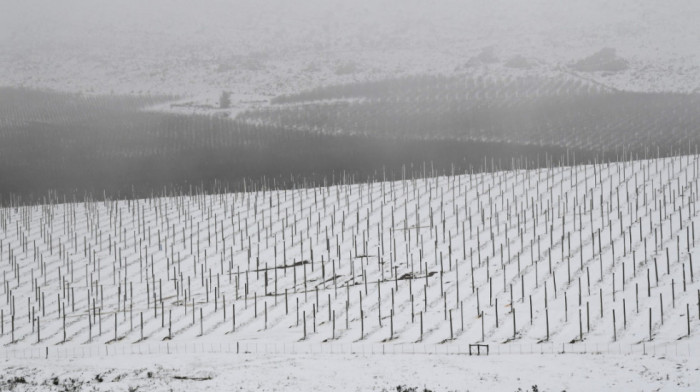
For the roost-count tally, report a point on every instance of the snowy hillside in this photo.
(394, 195)
(597, 253)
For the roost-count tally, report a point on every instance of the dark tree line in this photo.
(80, 146)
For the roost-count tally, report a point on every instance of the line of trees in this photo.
(78, 145)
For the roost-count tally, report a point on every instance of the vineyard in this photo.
(80, 147)
(325, 195)
(564, 113)
(591, 253)
(426, 215)
(77, 147)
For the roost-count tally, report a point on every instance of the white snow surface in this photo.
(584, 257)
(58, 255)
(325, 372)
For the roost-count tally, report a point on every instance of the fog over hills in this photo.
(258, 49)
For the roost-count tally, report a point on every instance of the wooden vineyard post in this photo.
(496, 311)
(673, 293)
(421, 326)
(391, 326)
(170, 324)
(362, 324)
(580, 326)
(379, 304)
(452, 336)
(690, 261)
(478, 308)
(588, 317)
(481, 316)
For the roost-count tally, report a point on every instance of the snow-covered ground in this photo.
(326, 372)
(592, 253)
(590, 256)
(258, 50)
(585, 256)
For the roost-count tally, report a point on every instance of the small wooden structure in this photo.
(478, 348)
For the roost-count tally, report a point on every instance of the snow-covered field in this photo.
(214, 292)
(324, 372)
(581, 256)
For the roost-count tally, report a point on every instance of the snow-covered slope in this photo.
(598, 253)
